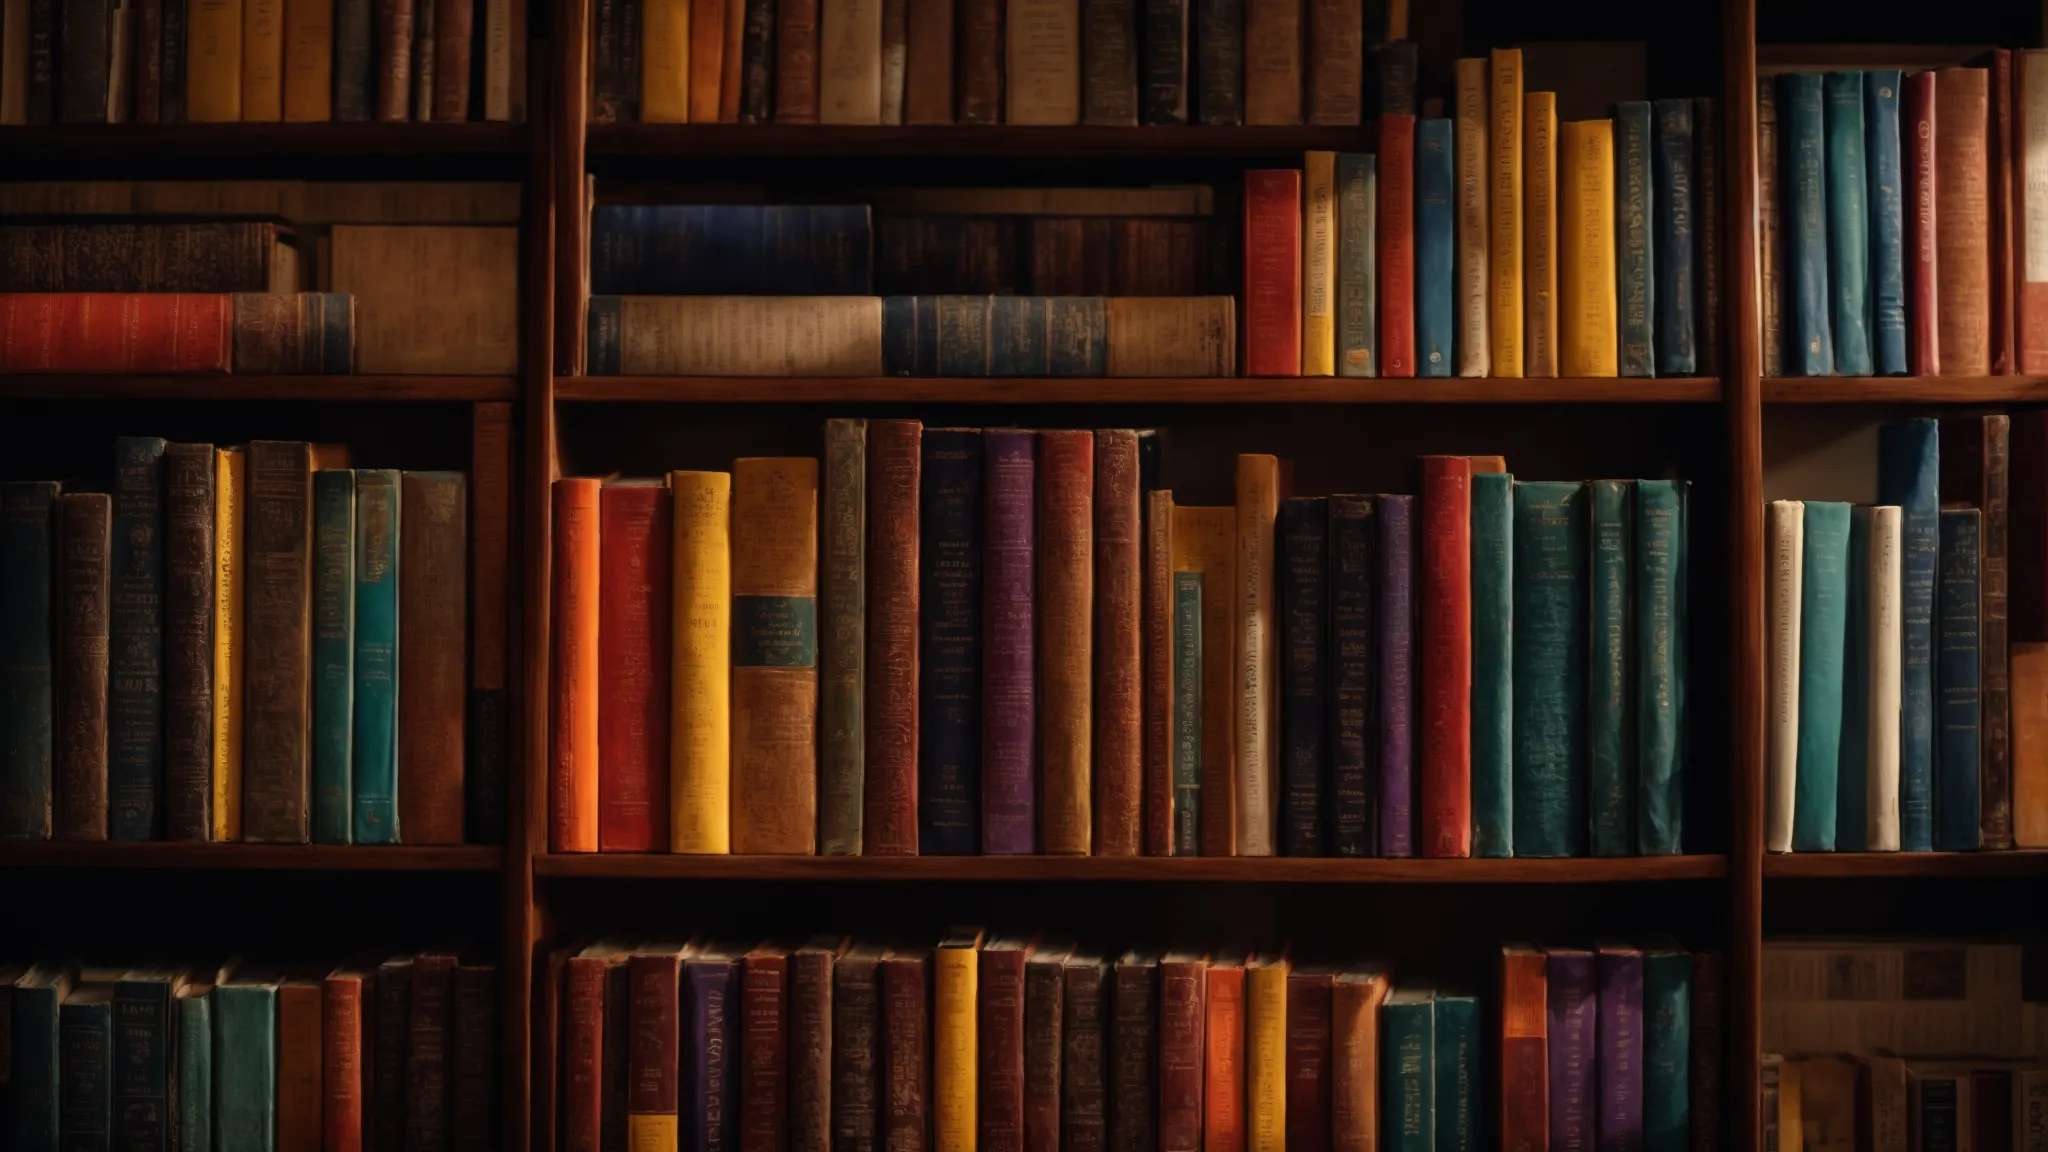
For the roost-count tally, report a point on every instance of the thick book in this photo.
(334, 602)
(1265, 1051)
(764, 1015)
(1585, 252)
(1133, 1052)
(300, 1056)
(1273, 64)
(474, 1062)
(1887, 213)
(1848, 215)
(906, 1049)
(978, 69)
(1957, 816)
(1541, 252)
(1662, 608)
(1219, 62)
(28, 555)
(144, 1058)
(1611, 704)
(127, 256)
(584, 1039)
(949, 639)
(294, 333)
(711, 1051)
(1436, 257)
(278, 645)
(1001, 336)
(1065, 555)
(928, 62)
(1573, 998)
(1977, 472)
(1253, 686)
(731, 250)
(245, 1060)
(1116, 664)
(1205, 545)
(1524, 1091)
(1304, 533)
(1083, 1061)
(1408, 1070)
(388, 1079)
(1309, 1088)
(1318, 255)
(433, 620)
(1962, 221)
(1009, 693)
(891, 707)
(1394, 222)
(373, 743)
(573, 725)
(1550, 559)
(79, 765)
(1784, 532)
(347, 1029)
(736, 335)
(1908, 472)
(1355, 1000)
(700, 664)
(1677, 264)
(1492, 623)
(135, 699)
(427, 1048)
(1000, 1042)
(1823, 622)
(851, 1101)
(775, 655)
(634, 535)
(35, 1055)
(1044, 998)
(1223, 1031)
(1635, 235)
(1395, 621)
(1917, 131)
(1165, 56)
(1810, 333)
(87, 1070)
(1352, 664)
(1272, 277)
(797, 68)
(1446, 685)
(1357, 264)
(843, 640)
(1621, 1047)
(955, 1040)
(1504, 231)
(1666, 1050)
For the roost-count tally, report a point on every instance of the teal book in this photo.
(334, 619)
(1958, 678)
(1823, 622)
(1635, 246)
(135, 664)
(1848, 222)
(1550, 669)
(194, 1015)
(1610, 699)
(1357, 259)
(245, 1062)
(85, 1064)
(144, 1061)
(1187, 713)
(1852, 775)
(1436, 249)
(1667, 1051)
(1493, 678)
(1803, 180)
(1887, 220)
(1408, 1071)
(1908, 474)
(1675, 269)
(1458, 1102)
(374, 743)
(1660, 638)
(37, 1064)
(28, 537)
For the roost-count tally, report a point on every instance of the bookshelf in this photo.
(1191, 390)
(457, 389)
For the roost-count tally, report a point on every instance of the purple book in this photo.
(711, 1074)
(1621, 1048)
(1009, 709)
(1574, 1014)
(1397, 674)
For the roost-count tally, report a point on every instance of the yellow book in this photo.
(309, 60)
(1539, 222)
(2029, 744)
(1791, 1116)
(1205, 541)
(954, 1081)
(262, 60)
(1588, 302)
(665, 61)
(230, 491)
(213, 62)
(700, 665)
(1265, 1052)
(1318, 248)
(1258, 506)
(1504, 193)
(651, 1132)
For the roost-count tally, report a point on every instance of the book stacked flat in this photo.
(214, 651)
(1013, 641)
(247, 1057)
(1909, 648)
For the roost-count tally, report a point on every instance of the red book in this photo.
(114, 332)
(1924, 348)
(2003, 273)
(1962, 218)
(1308, 1059)
(764, 1048)
(572, 749)
(632, 668)
(1396, 225)
(1119, 681)
(890, 785)
(583, 1045)
(906, 1049)
(652, 1082)
(810, 1048)
(344, 1052)
(999, 1033)
(1183, 987)
(1524, 1051)
(1446, 609)
(1223, 1055)
(2027, 525)
(1272, 272)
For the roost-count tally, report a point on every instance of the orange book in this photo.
(1354, 1057)
(1524, 1049)
(1223, 1055)
(572, 754)
(707, 48)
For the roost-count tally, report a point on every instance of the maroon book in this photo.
(1044, 1015)
(810, 1043)
(855, 1042)
(999, 1033)
(1308, 1059)
(1183, 1008)
(764, 1049)
(1083, 1097)
(1133, 1051)
(654, 974)
(906, 1048)
(890, 691)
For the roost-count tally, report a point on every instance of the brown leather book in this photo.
(84, 644)
(1119, 646)
(707, 53)
(1308, 1059)
(1704, 1095)
(1962, 221)
(346, 1017)
(895, 449)
(583, 1044)
(453, 20)
(1336, 65)
(764, 1048)
(653, 1052)
(928, 68)
(1272, 62)
(1084, 1102)
(1355, 1000)
(796, 61)
(1976, 472)
(277, 649)
(473, 1119)
(1160, 802)
(775, 656)
(394, 59)
(906, 1048)
(301, 1107)
(427, 1052)
(1066, 587)
(732, 72)
(1044, 1014)
(433, 621)
(490, 570)
(390, 1041)
(1223, 1124)
(616, 1070)
(810, 1043)
(1133, 1053)
(188, 641)
(1183, 985)
(981, 61)
(999, 1036)
(1999, 160)
(856, 1038)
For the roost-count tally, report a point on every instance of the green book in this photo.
(334, 620)
(1852, 771)
(1407, 1071)
(36, 1057)
(1457, 1102)
(374, 799)
(245, 1061)
(1660, 605)
(85, 1092)
(1550, 669)
(193, 1011)
(1823, 621)
(1667, 1009)
(1609, 701)
(1493, 681)
(1187, 713)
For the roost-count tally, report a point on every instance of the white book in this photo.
(1785, 528)
(1475, 349)
(1882, 594)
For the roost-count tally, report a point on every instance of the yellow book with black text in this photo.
(1587, 293)
(954, 1081)
(230, 491)
(1265, 1053)
(1504, 203)
(213, 61)
(1539, 224)
(700, 664)
(1318, 258)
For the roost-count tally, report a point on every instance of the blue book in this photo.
(334, 620)
(373, 746)
(245, 1061)
(1395, 617)
(1811, 340)
(135, 669)
(731, 250)
(1354, 695)
(1436, 249)
(1661, 514)
(1635, 246)
(1357, 263)
(949, 643)
(995, 336)
(37, 1066)
(1887, 193)
(1187, 713)
(143, 1058)
(1408, 1071)
(1457, 1103)
(194, 1014)
(1848, 222)
(1550, 669)
(1667, 1051)
(710, 1071)
(1304, 585)
(1018, 341)
(1957, 827)
(1677, 296)
(1823, 623)
(605, 344)
(1619, 973)
(27, 540)
(1908, 475)
(1852, 776)
(1610, 696)
(1493, 678)
(85, 1095)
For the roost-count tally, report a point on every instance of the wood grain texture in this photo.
(60, 386)
(229, 857)
(1188, 390)
(1279, 142)
(1203, 869)
(1904, 389)
(2031, 863)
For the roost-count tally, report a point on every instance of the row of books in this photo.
(168, 61)
(1892, 1104)
(1909, 648)
(1925, 998)
(214, 651)
(1020, 1041)
(247, 1057)
(1016, 62)
(1024, 645)
(270, 334)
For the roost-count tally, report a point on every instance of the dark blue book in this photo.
(1667, 1051)
(32, 1090)
(135, 679)
(1848, 222)
(1354, 555)
(85, 1097)
(27, 538)
(1803, 180)
(731, 250)
(1887, 198)
(1187, 713)
(1436, 255)
(1956, 825)
(710, 1069)
(949, 643)
(1395, 716)
(1408, 1071)
(1635, 244)
(1304, 596)
(144, 1060)
(1676, 265)
(1908, 475)
(1458, 1103)
(1550, 640)
(334, 638)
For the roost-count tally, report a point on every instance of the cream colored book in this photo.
(1785, 532)
(850, 62)
(431, 300)
(1475, 351)
(1258, 507)
(1172, 336)
(1318, 260)
(739, 336)
(1882, 597)
(1042, 43)
(1539, 252)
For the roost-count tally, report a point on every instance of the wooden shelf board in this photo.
(269, 857)
(73, 141)
(1874, 865)
(817, 140)
(1231, 869)
(1903, 389)
(86, 386)
(1190, 390)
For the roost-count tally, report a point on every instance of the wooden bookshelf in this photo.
(81, 386)
(1188, 390)
(2024, 863)
(253, 857)
(127, 142)
(1239, 142)
(1131, 869)
(1905, 389)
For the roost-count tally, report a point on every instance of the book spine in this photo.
(1065, 556)
(82, 57)
(1134, 1121)
(1823, 612)
(1874, 809)
(1219, 61)
(775, 656)
(230, 517)
(1044, 1011)
(192, 1070)
(1272, 278)
(1848, 219)
(373, 776)
(700, 664)
(432, 619)
(757, 61)
(245, 1068)
(1474, 337)
(851, 1042)
(1357, 263)
(2030, 181)
(1707, 201)
(1304, 531)
(1273, 51)
(1109, 62)
(1253, 687)
(573, 755)
(1806, 246)
(427, 1050)
(1957, 803)
(334, 588)
(1336, 65)
(1166, 62)
(955, 1045)
(1908, 476)
(797, 67)
(1009, 696)
(1541, 254)
(1159, 672)
(1635, 253)
(764, 1052)
(980, 64)
(1223, 1059)
(949, 643)
(1446, 689)
(842, 663)
(1586, 253)
(633, 701)
(85, 1102)
(1676, 304)
(1119, 633)
(1318, 251)
(354, 59)
(1621, 1047)
(1524, 1051)
(135, 685)
(1549, 660)
(279, 618)
(1493, 512)
(1769, 229)
(473, 1119)
(929, 61)
(1354, 540)
(1395, 618)
(344, 1059)
(141, 1062)
(999, 1032)
(84, 528)
(489, 722)
(1408, 1076)
(1963, 221)
(716, 1016)
(1456, 1072)
(1923, 248)
(1660, 583)
(1994, 634)
(891, 723)
(425, 12)
(1610, 702)
(1309, 1071)
(2001, 190)
(907, 1054)
(1394, 217)
(1574, 1015)
(583, 1040)
(172, 65)
(706, 55)
(1887, 222)
(1083, 1102)
(1436, 257)
(387, 1069)
(147, 61)
(1354, 1063)
(28, 552)
(1665, 1044)
(394, 63)
(300, 1055)
(1785, 522)
(1703, 1096)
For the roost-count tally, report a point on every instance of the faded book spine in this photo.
(949, 600)
(84, 641)
(1066, 595)
(1610, 705)
(810, 1048)
(1634, 230)
(1962, 220)
(895, 450)
(1183, 978)
(1678, 235)
(334, 602)
(279, 581)
(1165, 96)
(1160, 674)
(373, 799)
(432, 620)
(1009, 695)
(135, 702)
(573, 727)
(1304, 597)
(1253, 685)
(1119, 706)
(1769, 214)
(1273, 52)
(980, 68)
(1474, 340)
(757, 60)
(1083, 1101)
(852, 1041)
(1109, 62)
(1219, 61)
(797, 60)
(1395, 218)
(1357, 264)
(1353, 697)
(1336, 65)
(843, 644)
